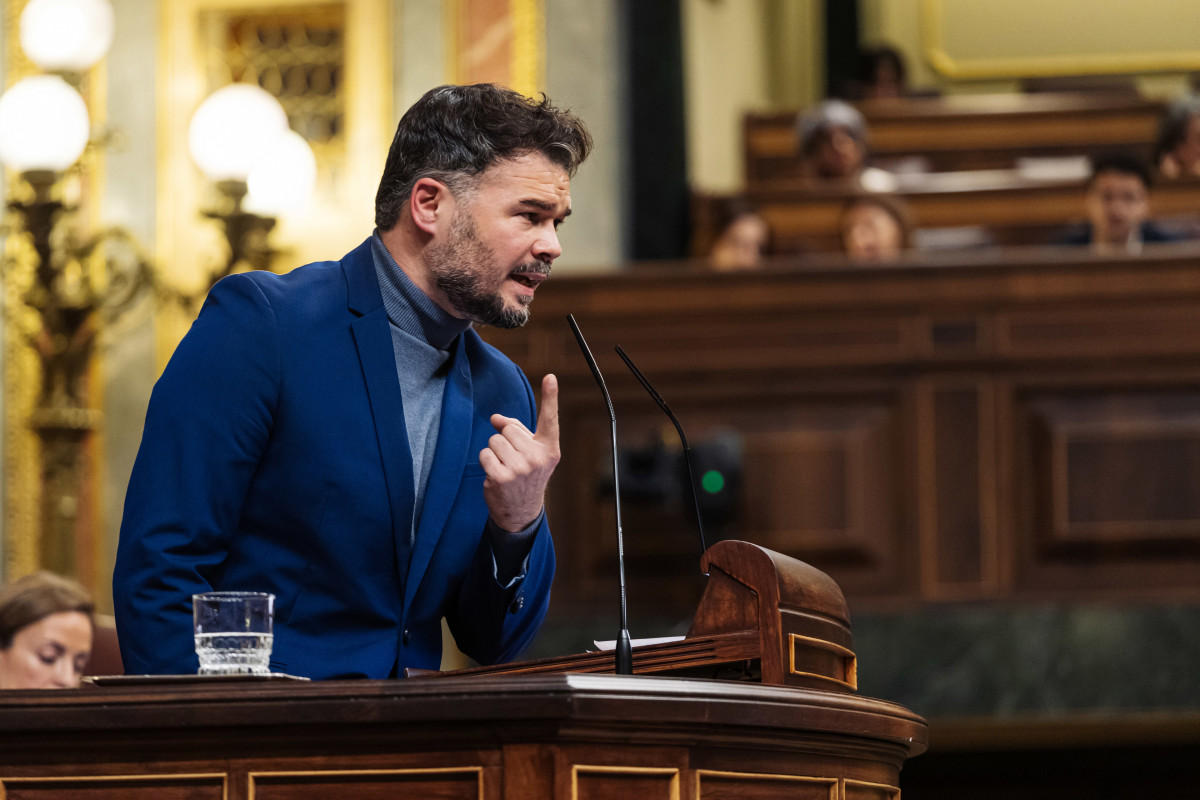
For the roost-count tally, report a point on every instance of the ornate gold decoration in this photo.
(298, 55)
(329, 64)
(22, 490)
(75, 285)
(65, 279)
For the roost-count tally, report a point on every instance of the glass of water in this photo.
(234, 632)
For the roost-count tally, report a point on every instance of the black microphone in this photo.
(687, 451)
(624, 647)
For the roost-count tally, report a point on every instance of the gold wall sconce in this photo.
(240, 139)
(69, 284)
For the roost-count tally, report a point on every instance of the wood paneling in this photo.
(1158, 326)
(970, 131)
(596, 783)
(428, 784)
(814, 484)
(860, 790)
(516, 737)
(957, 523)
(1113, 481)
(749, 786)
(110, 787)
(973, 426)
(1010, 208)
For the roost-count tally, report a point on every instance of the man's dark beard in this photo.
(452, 265)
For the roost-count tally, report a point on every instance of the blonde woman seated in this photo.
(876, 228)
(46, 630)
(744, 238)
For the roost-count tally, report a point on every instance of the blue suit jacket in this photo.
(275, 458)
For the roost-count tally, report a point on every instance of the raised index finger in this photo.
(547, 421)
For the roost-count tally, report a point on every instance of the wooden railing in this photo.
(960, 132)
(1008, 207)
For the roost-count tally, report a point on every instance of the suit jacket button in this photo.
(404, 638)
(517, 604)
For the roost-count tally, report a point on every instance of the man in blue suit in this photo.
(341, 437)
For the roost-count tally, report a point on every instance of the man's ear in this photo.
(430, 202)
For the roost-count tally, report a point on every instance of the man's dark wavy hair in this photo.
(454, 133)
(1122, 162)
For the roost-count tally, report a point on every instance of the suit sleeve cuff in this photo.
(510, 551)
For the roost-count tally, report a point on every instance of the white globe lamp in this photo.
(285, 180)
(66, 35)
(233, 130)
(43, 125)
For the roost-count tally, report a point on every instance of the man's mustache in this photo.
(533, 268)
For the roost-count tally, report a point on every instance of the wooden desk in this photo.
(1012, 208)
(960, 132)
(513, 738)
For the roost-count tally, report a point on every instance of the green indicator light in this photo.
(712, 481)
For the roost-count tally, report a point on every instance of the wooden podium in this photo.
(763, 617)
(788, 726)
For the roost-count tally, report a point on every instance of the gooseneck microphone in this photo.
(687, 451)
(624, 647)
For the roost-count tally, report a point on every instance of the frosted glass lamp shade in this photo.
(285, 180)
(66, 35)
(233, 130)
(43, 124)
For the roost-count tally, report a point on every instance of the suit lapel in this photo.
(449, 460)
(373, 340)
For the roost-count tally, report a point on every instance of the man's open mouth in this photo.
(530, 279)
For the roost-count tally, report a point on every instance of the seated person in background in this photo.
(46, 632)
(875, 228)
(743, 240)
(833, 147)
(1177, 149)
(881, 73)
(1117, 203)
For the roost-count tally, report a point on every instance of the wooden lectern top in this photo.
(763, 617)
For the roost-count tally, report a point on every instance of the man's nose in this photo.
(547, 247)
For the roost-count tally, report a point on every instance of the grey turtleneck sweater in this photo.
(423, 337)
